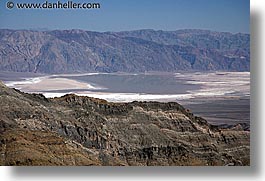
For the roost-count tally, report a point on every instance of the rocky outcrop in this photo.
(74, 130)
(69, 51)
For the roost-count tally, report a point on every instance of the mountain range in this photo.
(73, 51)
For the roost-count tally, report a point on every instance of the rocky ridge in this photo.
(74, 130)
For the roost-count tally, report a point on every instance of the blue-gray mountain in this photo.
(70, 51)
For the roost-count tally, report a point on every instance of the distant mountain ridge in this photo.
(71, 51)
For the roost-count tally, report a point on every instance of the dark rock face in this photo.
(71, 51)
(73, 130)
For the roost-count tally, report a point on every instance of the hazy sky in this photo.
(119, 15)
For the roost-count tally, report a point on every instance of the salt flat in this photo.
(215, 95)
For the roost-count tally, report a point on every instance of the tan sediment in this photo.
(49, 84)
